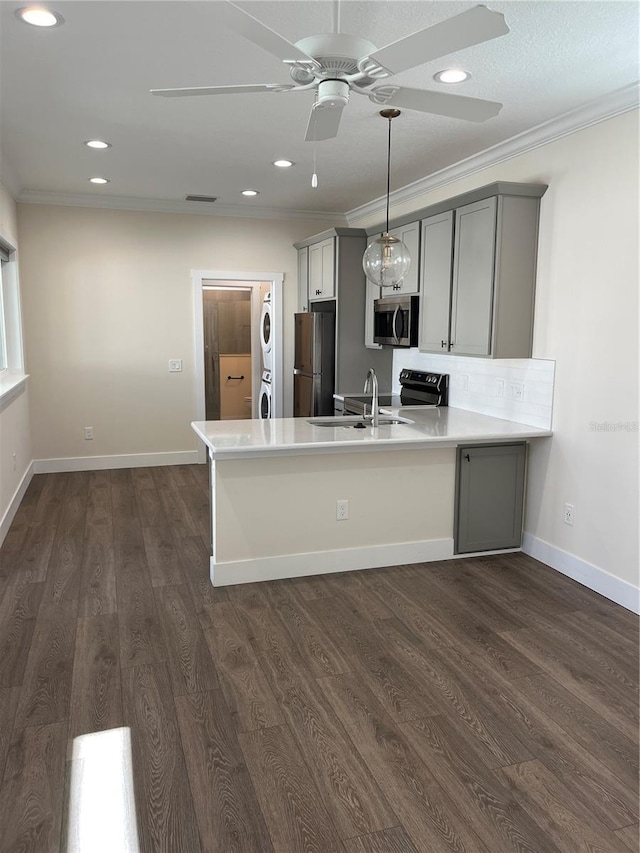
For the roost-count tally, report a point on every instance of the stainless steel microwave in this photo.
(395, 321)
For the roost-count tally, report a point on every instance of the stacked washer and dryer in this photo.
(266, 342)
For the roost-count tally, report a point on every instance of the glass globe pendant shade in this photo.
(386, 261)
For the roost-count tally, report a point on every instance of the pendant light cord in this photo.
(388, 172)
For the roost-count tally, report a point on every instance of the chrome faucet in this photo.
(371, 386)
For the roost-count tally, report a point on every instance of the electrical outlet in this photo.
(14, 457)
(175, 365)
(464, 381)
(342, 510)
(516, 390)
(88, 433)
(569, 514)
(499, 387)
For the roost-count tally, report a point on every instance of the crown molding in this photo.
(112, 202)
(614, 104)
(8, 178)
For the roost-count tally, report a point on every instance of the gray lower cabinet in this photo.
(489, 497)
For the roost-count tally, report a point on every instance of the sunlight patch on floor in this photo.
(102, 810)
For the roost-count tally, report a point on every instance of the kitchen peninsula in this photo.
(275, 486)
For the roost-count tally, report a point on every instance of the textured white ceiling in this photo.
(91, 78)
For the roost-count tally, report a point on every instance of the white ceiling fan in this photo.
(336, 64)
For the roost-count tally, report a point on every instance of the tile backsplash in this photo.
(517, 389)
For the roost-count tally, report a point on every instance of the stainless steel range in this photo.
(418, 388)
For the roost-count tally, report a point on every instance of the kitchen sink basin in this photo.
(348, 422)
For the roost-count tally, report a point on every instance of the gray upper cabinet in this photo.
(473, 279)
(410, 236)
(303, 279)
(322, 272)
(410, 284)
(436, 267)
(478, 268)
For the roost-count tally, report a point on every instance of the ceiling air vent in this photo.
(208, 198)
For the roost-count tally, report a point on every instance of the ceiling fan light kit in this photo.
(336, 64)
(386, 260)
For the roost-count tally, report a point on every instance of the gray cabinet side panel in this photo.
(353, 359)
(516, 256)
(489, 497)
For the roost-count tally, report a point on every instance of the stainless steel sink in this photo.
(356, 422)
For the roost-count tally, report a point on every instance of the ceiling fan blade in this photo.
(223, 90)
(257, 32)
(323, 123)
(439, 103)
(474, 26)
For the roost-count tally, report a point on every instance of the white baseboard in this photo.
(613, 588)
(14, 503)
(126, 460)
(326, 562)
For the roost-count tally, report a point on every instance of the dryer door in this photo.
(264, 404)
(265, 327)
(266, 335)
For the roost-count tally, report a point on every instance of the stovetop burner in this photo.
(419, 388)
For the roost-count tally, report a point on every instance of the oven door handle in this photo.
(394, 326)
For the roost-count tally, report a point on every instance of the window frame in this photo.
(12, 374)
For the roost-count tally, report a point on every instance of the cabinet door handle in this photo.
(234, 377)
(467, 457)
(443, 344)
(318, 292)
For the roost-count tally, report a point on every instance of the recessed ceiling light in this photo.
(283, 164)
(99, 180)
(97, 143)
(250, 192)
(37, 16)
(452, 75)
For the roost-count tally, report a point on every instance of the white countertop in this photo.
(442, 427)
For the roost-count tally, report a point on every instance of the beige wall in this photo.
(15, 432)
(107, 301)
(286, 505)
(586, 319)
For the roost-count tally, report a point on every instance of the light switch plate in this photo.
(175, 365)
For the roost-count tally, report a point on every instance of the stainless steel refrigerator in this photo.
(314, 364)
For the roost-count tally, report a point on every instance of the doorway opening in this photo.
(228, 374)
(238, 339)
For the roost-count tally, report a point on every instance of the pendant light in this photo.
(387, 260)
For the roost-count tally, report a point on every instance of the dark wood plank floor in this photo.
(483, 705)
